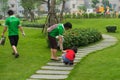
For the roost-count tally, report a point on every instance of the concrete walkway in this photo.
(59, 71)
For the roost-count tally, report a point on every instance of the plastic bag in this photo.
(2, 40)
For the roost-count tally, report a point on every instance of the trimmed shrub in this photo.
(67, 16)
(92, 15)
(111, 28)
(73, 15)
(35, 25)
(80, 37)
(119, 16)
(0, 16)
(85, 15)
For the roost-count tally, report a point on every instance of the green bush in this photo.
(100, 15)
(35, 25)
(67, 16)
(79, 16)
(92, 15)
(0, 16)
(119, 16)
(85, 15)
(80, 37)
(73, 15)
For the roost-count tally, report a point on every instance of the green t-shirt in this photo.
(59, 30)
(12, 23)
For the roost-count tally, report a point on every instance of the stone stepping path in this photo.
(56, 70)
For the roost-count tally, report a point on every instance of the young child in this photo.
(68, 56)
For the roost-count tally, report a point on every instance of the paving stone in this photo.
(67, 68)
(52, 72)
(79, 55)
(78, 58)
(55, 64)
(49, 77)
(81, 51)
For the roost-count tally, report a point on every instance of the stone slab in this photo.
(52, 72)
(55, 64)
(68, 68)
(49, 77)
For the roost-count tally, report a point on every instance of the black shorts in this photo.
(14, 40)
(52, 42)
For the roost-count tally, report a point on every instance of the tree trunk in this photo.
(48, 11)
(26, 15)
(62, 10)
(31, 15)
(51, 18)
(48, 4)
(52, 13)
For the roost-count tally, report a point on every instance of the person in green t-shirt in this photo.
(12, 23)
(56, 32)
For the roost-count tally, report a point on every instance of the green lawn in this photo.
(34, 53)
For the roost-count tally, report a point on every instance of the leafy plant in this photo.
(35, 25)
(81, 37)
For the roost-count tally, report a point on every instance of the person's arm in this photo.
(4, 30)
(61, 31)
(61, 42)
(22, 31)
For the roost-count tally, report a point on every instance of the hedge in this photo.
(80, 37)
(35, 25)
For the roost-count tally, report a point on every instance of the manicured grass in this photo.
(34, 53)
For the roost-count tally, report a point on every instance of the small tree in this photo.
(4, 7)
(51, 18)
(82, 8)
(29, 6)
(106, 3)
(94, 3)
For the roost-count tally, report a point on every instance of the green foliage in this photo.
(81, 37)
(119, 16)
(100, 15)
(94, 3)
(92, 15)
(29, 4)
(106, 3)
(85, 15)
(0, 16)
(73, 15)
(35, 25)
(67, 16)
(78, 16)
(82, 8)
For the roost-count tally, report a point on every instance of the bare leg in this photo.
(53, 54)
(14, 49)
